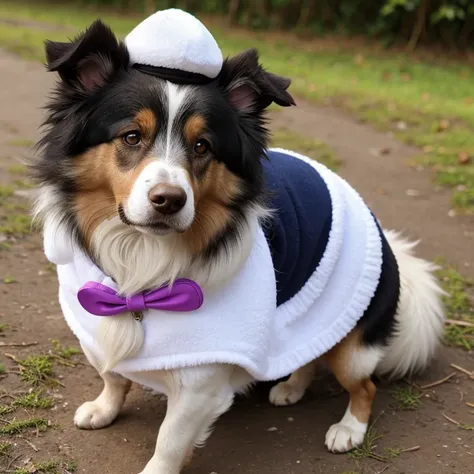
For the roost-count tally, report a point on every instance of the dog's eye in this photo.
(132, 138)
(201, 147)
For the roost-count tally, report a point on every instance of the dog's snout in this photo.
(167, 199)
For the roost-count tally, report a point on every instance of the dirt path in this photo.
(253, 437)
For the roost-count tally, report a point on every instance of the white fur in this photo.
(347, 434)
(140, 210)
(420, 315)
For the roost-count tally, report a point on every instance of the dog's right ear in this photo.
(90, 60)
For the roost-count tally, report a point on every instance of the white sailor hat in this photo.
(176, 46)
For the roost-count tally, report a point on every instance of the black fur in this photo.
(378, 321)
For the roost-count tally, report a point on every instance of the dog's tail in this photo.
(420, 315)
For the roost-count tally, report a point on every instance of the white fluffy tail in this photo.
(420, 316)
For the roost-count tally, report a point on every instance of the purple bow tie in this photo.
(101, 300)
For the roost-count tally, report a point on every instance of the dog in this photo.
(155, 181)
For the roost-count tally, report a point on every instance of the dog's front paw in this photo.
(341, 438)
(285, 394)
(94, 415)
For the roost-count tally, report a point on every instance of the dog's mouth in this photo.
(157, 226)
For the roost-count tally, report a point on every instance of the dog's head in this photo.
(160, 157)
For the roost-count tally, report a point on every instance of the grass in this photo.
(34, 400)
(36, 370)
(17, 169)
(4, 449)
(434, 101)
(459, 306)
(49, 467)
(3, 328)
(21, 142)
(15, 224)
(285, 138)
(406, 398)
(16, 427)
(64, 352)
(5, 192)
(23, 184)
(367, 448)
(2, 368)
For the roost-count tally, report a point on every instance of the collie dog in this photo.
(155, 181)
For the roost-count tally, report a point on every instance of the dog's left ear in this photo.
(249, 87)
(90, 60)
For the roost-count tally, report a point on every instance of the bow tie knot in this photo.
(136, 302)
(101, 300)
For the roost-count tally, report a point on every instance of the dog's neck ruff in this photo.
(240, 322)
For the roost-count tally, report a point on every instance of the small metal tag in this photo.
(137, 315)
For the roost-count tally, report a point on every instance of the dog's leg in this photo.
(196, 398)
(292, 390)
(105, 408)
(353, 364)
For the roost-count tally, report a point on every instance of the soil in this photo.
(253, 437)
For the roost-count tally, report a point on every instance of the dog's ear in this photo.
(90, 60)
(249, 87)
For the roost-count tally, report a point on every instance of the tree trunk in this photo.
(150, 7)
(419, 27)
(234, 11)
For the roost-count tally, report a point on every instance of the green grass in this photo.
(17, 169)
(4, 449)
(64, 352)
(459, 306)
(8, 280)
(367, 448)
(34, 400)
(3, 328)
(5, 410)
(16, 427)
(49, 467)
(23, 184)
(21, 142)
(15, 224)
(434, 100)
(406, 398)
(36, 370)
(284, 138)
(2, 368)
(5, 191)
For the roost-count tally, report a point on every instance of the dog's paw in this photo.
(285, 394)
(94, 415)
(341, 438)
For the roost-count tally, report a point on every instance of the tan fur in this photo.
(102, 186)
(212, 194)
(147, 123)
(362, 392)
(193, 129)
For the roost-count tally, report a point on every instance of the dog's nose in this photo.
(167, 199)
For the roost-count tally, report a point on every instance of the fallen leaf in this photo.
(406, 77)
(380, 191)
(385, 150)
(425, 96)
(428, 148)
(464, 158)
(401, 125)
(443, 125)
(468, 100)
(386, 76)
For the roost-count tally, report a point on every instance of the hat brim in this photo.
(176, 76)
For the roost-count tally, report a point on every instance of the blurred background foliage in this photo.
(408, 22)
